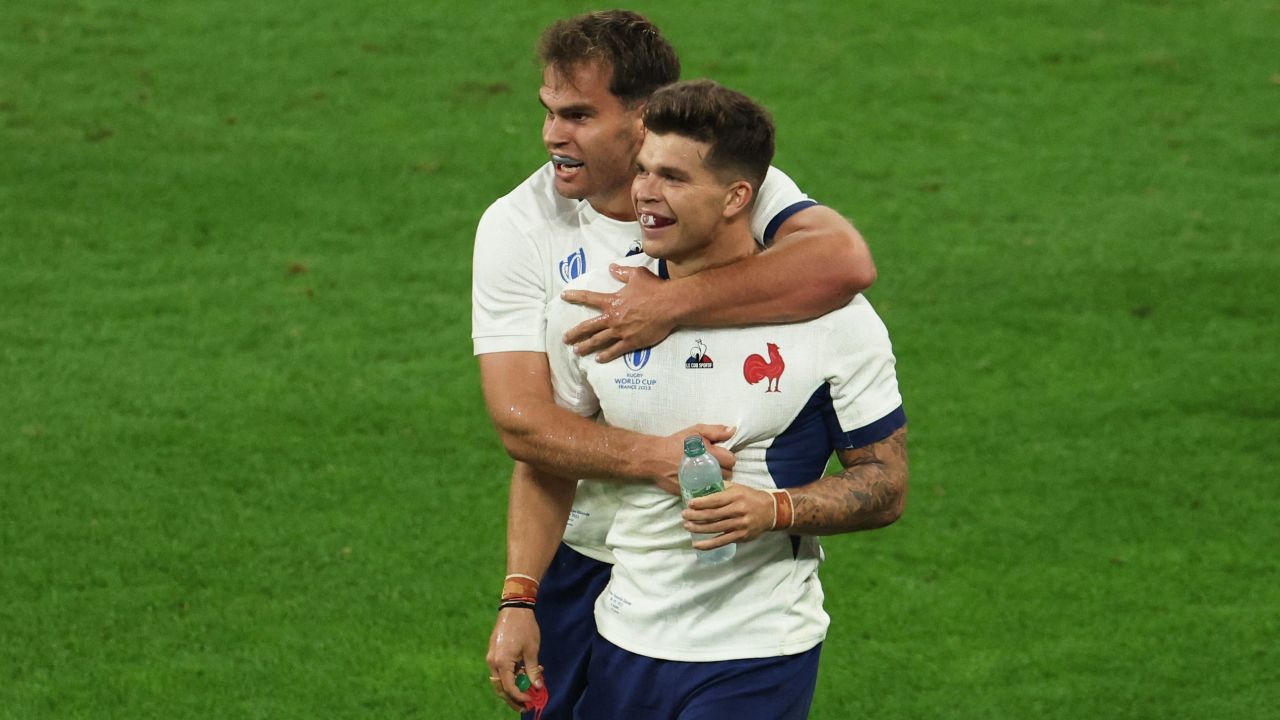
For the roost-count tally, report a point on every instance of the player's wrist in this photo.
(783, 510)
(649, 460)
(519, 592)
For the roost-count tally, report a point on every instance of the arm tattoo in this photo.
(869, 493)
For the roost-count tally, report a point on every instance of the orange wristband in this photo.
(519, 587)
(783, 510)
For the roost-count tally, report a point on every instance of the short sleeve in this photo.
(862, 377)
(508, 286)
(779, 199)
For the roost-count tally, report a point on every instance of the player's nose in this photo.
(642, 188)
(554, 133)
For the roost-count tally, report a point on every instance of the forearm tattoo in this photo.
(869, 493)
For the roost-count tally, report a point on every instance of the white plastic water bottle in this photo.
(700, 475)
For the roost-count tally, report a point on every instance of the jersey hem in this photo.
(507, 343)
(594, 552)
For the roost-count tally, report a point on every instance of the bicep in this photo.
(833, 242)
(890, 452)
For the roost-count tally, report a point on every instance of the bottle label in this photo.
(703, 491)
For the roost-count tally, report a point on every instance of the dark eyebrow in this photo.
(569, 109)
(674, 173)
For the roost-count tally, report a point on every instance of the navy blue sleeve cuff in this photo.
(873, 433)
(782, 217)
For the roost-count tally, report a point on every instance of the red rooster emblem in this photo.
(756, 368)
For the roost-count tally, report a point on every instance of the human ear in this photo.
(737, 198)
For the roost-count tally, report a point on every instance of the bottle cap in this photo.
(693, 446)
(523, 682)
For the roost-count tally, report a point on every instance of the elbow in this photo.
(861, 277)
(894, 511)
(848, 269)
(517, 447)
(859, 269)
(895, 505)
(516, 435)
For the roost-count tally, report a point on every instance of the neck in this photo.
(731, 243)
(617, 206)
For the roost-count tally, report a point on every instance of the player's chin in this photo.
(658, 244)
(572, 186)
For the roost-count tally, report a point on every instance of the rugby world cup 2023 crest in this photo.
(634, 378)
(637, 360)
(574, 265)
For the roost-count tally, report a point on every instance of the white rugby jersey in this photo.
(529, 244)
(795, 392)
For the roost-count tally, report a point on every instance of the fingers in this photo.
(595, 335)
(586, 329)
(711, 521)
(504, 691)
(507, 690)
(502, 679)
(713, 433)
(534, 670)
(711, 507)
(621, 273)
(721, 540)
(597, 300)
(603, 340)
(632, 318)
(738, 514)
(725, 458)
(615, 350)
(734, 523)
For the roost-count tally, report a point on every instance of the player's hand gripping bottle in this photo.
(700, 475)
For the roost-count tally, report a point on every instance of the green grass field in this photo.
(245, 470)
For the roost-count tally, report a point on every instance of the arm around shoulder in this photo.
(817, 263)
(833, 254)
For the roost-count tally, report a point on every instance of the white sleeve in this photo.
(568, 377)
(863, 383)
(508, 286)
(779, 199)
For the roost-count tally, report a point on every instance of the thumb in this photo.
(714, 433)
(724, 457)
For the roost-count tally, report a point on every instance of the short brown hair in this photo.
(739, 131)
(633, 49)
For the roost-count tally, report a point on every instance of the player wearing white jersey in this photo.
(740, 638)
(530, 244)
(794, 393)
(599, 69)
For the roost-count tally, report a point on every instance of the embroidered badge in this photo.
(756, 368)
(698, 357)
